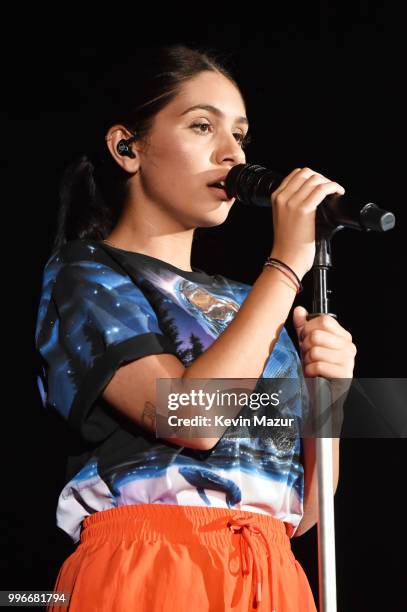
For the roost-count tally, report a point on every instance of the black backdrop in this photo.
(323, 90)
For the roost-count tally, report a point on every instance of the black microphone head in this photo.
(231, 180)
(252, 184)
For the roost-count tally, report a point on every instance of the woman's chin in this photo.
(216, 215)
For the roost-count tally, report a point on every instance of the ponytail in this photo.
(83, 211)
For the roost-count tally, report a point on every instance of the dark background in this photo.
(323, 89)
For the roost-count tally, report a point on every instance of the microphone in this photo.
(253, 185)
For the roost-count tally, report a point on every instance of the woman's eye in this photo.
(199, 125)
(241, 138)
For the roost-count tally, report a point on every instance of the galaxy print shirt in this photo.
(101, 307)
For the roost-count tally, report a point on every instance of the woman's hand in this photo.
(326, 347)
(327, 350)
(294, 205)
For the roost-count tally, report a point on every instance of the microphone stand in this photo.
(371, 218)
(253, 185)
(326, 523)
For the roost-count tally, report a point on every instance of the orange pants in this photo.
(159, 557)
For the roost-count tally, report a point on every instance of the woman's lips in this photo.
(220, 193)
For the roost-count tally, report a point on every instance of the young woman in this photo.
(183, 523)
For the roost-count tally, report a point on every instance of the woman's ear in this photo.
(115, 141)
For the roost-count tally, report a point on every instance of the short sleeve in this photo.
(95, 320)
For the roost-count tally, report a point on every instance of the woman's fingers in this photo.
(301, 183)
(288, 178)
(327, 370)
(326, 324)
(319, 337)
(327, 355)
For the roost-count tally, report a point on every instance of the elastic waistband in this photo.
(178, 523)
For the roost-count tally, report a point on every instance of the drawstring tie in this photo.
(244, 525)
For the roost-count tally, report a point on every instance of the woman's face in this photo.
(182, 157)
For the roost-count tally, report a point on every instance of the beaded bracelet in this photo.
(276, 263)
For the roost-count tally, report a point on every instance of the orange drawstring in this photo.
(244, 525)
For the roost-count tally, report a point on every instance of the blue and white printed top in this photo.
(101, 307)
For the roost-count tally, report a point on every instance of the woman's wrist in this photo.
(295, 263)
(285, 269)
(284, 277)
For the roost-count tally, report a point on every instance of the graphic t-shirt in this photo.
(102, 307)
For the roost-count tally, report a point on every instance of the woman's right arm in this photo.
(243, 348)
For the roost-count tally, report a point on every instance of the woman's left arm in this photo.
(327, 350)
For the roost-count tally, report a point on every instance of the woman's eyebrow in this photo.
(215, 111)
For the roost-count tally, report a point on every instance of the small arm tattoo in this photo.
(148, 416)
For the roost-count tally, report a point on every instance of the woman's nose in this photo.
(230, 149)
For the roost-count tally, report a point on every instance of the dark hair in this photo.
(93, 187)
